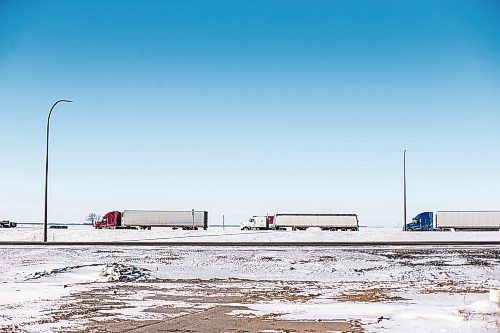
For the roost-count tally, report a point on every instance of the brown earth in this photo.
(216, 319)
(369, 295)
(213, 302)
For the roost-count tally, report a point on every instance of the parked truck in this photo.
(344, 222)
(455, 221)
(146, 219)
(258, 223)
(7, 224)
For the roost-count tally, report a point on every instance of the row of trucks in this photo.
(426, 221)
(455, 221)
(194, 220)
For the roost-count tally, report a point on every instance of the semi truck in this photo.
(455, 221)
(344, 222)
(146, 219)
(258, 223)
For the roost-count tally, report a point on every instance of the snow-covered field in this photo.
(234, 234)
(375, 289)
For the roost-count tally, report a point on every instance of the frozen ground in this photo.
(144, 289)
(234, 234)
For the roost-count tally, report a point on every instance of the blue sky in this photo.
(247, 108)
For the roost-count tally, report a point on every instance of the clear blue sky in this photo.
(249, 107)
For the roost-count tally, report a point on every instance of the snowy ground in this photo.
(234, 234)
(377, 289)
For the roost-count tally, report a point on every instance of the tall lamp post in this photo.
(404, 195)
(47, 166)
(192, 214)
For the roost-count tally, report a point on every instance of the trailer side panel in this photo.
(338, 221)
(468, 220)
(152, 218)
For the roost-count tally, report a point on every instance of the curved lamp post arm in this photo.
(53, 106)
(47, 166)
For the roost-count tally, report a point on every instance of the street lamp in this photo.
(192, 213)
(47, 167)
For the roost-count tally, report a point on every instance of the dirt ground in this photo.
(209, 311)
(216, 320)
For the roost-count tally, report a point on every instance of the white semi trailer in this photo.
(146, 219)
(156, 218)
(467, 220)
(342, 222)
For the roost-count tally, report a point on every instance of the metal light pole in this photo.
(404, 195)
(192, 214)
(47, 167)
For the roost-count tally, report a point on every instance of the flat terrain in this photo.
(248, 289)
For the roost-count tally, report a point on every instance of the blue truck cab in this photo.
(421, 222)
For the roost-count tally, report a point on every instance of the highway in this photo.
(258, 244)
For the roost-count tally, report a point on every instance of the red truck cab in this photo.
(110, 220)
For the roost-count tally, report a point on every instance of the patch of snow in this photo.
(483, 307)
(432, 315)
